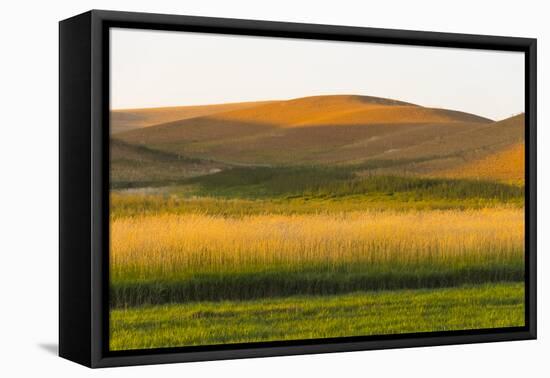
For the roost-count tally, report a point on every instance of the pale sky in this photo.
(161, 68)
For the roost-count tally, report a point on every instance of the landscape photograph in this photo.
(271, 189)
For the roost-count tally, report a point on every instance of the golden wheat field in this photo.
(205, 243)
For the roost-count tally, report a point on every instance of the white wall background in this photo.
(29, 188)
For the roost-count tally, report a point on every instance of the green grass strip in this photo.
(312, 317)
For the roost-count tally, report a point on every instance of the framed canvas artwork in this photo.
(235, 188)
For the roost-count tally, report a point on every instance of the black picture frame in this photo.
(84, 186)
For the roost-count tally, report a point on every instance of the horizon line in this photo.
(512, 114)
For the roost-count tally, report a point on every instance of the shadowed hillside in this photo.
(140, 166)
(451, 150)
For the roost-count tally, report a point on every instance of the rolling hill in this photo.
(130, 119)
(326, 129)
(384, 135)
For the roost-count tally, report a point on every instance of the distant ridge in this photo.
(350, 98)
(129, 119)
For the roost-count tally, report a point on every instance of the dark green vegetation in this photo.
(299, 317)
(273, 282)
(337, 182)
